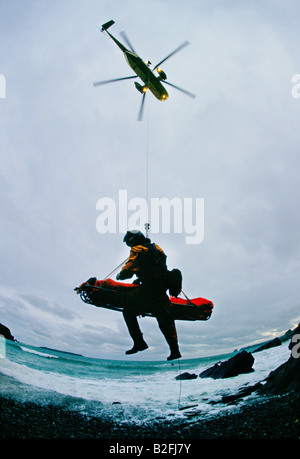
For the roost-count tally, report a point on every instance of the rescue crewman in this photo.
(148, 262)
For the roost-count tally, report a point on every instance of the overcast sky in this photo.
(66, 144)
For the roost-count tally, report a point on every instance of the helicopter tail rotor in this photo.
(126, 39)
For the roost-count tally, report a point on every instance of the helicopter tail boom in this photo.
(107, 25)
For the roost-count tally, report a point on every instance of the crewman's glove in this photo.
(124, 274)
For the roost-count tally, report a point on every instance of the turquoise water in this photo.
(136, 392)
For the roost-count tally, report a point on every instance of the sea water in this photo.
(125, 391)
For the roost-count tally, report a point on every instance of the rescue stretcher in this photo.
(108, 294)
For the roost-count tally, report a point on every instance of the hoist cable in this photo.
(147, 224)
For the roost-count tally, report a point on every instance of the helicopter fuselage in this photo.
(141, 68)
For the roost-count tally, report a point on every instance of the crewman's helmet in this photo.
(134, 237)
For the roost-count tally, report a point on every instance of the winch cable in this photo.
(147, 227)
(179, 374)
(147, 224)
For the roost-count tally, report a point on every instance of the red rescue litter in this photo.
(107, 294)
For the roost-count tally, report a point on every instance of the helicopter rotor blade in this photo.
(140, 116)
(187, 93)
(183, 45)
(99, 83)
(126, 39)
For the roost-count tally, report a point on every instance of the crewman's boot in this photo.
(169, 331)
(138, 346)
(175, 354)
(135, 332)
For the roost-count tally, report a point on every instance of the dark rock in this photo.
(273, 343)
(4, 331)
(186, 375)
(288, 334)
(239, 363)
(211, 372)
(285, 378)
(241, 393)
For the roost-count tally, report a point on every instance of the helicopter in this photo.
(143, 71)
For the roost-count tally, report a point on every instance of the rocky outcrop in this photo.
(4, 331)
(243, 392)
(273, 343)
(186, 375)
(286, 377)
(287, 336)
(284, 380)
(296, 331)
(238, 364)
